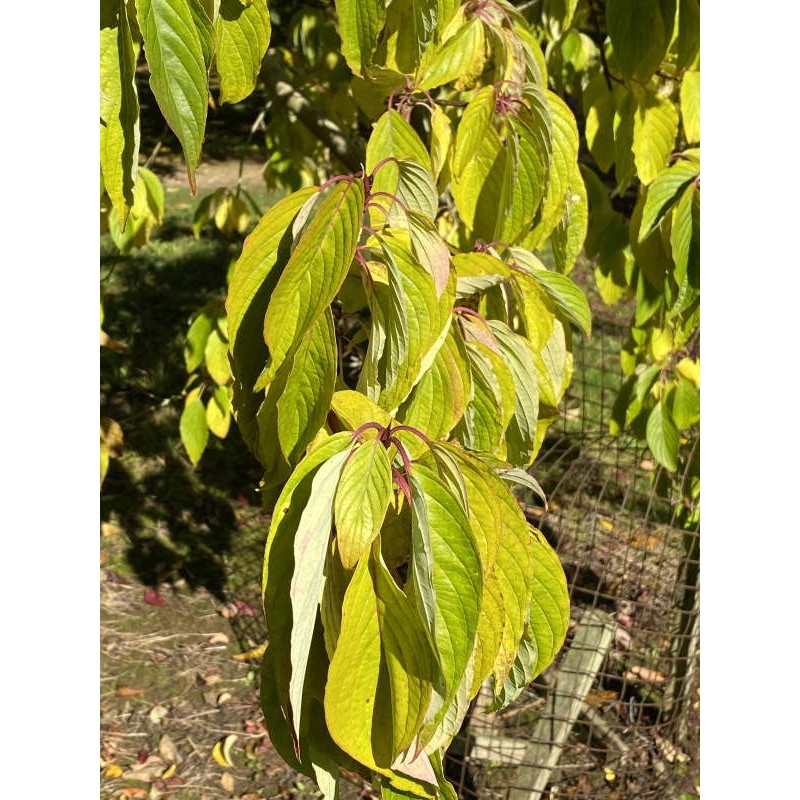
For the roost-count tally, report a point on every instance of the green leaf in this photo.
(193, 426)
(520, 357)
(195, 346)
(688, 41)
(638, 35)
(546, 628)
(690, 106)
(685, 235)
(565, 294)
(304, 401)
(562, 170)
(175, 48)
(218, 413)
(662, 437)
(568, 236)
(441, 396)
(410, 24)
(441, 140)
(624, 164)
(448, 579)
(119, 107)
(460, 57)
(393, 137)
(354, 409)
(655, 126)
(360, 22)
(664, 192)
(147, 212)
(472, 128)
(216, 357)
(315, 271)
(254, 277)
(243, 31)
(311, 541)
(276, 582)
(598, 109)
(361, 501)
(378, 684)
(684, 404)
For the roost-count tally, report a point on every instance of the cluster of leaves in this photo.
(207, 394)
(398, 351)
(633, 67)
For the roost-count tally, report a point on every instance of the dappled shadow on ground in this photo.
(180, 521)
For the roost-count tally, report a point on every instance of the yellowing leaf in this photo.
(119, 107)
(315, 271)
(360, 22)
(243, 32)
(690, 106)
(460, 58)
(361, 501)
(176, 47)
(655, 126)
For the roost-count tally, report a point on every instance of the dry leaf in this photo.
(128, 691)
(228, 782)
(167, 749)
(151, 770)
(132, 792)
(218, 638)
(157, 713)
(224, 697)
(109, 529)
(645, 674)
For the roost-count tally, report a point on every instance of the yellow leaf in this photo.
(168, 772)
(113, 771)
(254, 654)
(221, 752)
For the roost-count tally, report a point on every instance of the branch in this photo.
(351, 153)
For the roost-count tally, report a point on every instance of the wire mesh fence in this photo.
(617, 715)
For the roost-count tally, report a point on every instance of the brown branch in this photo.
(350, 152)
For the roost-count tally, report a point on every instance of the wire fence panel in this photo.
(617, 715)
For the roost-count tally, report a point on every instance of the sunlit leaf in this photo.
(243, 31)
(690, 106)
(662, 437)
(360, 22)
(655, 126)
(175, 48)
(194, 427)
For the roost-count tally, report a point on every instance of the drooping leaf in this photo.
(639, 35)
(216, 356)
(193, 426)
(520, 357)
(684, 403)
(664, 192)
(472, 128)
(688, 40)
(598, 109)
(119, 107)
(685, 235)
(243, 31)
(655, 126)
(690, 106)
(196, 337)
(360, 22)
(218, 412)
(461, 57)
(568, 236)
(662, 437)
(315, 271)
(310, 547)
(176, 53)
(304, 401)
(362, 499)
(255, 275)
(448, 579)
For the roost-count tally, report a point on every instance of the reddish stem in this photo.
(374, 425)
(416, 431)
(403, 453)
(402, 483)
(391, 197)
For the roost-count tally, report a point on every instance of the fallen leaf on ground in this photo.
(109, 529)
(245, 609)
(113, 771)
(221, 752)
(128, 691)
(152, 769)
(157, 713)
(132, 792)
(252, 655)
(167, 749)
(645, 674)
(218, 638)
(153, 598)
(228, 782)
